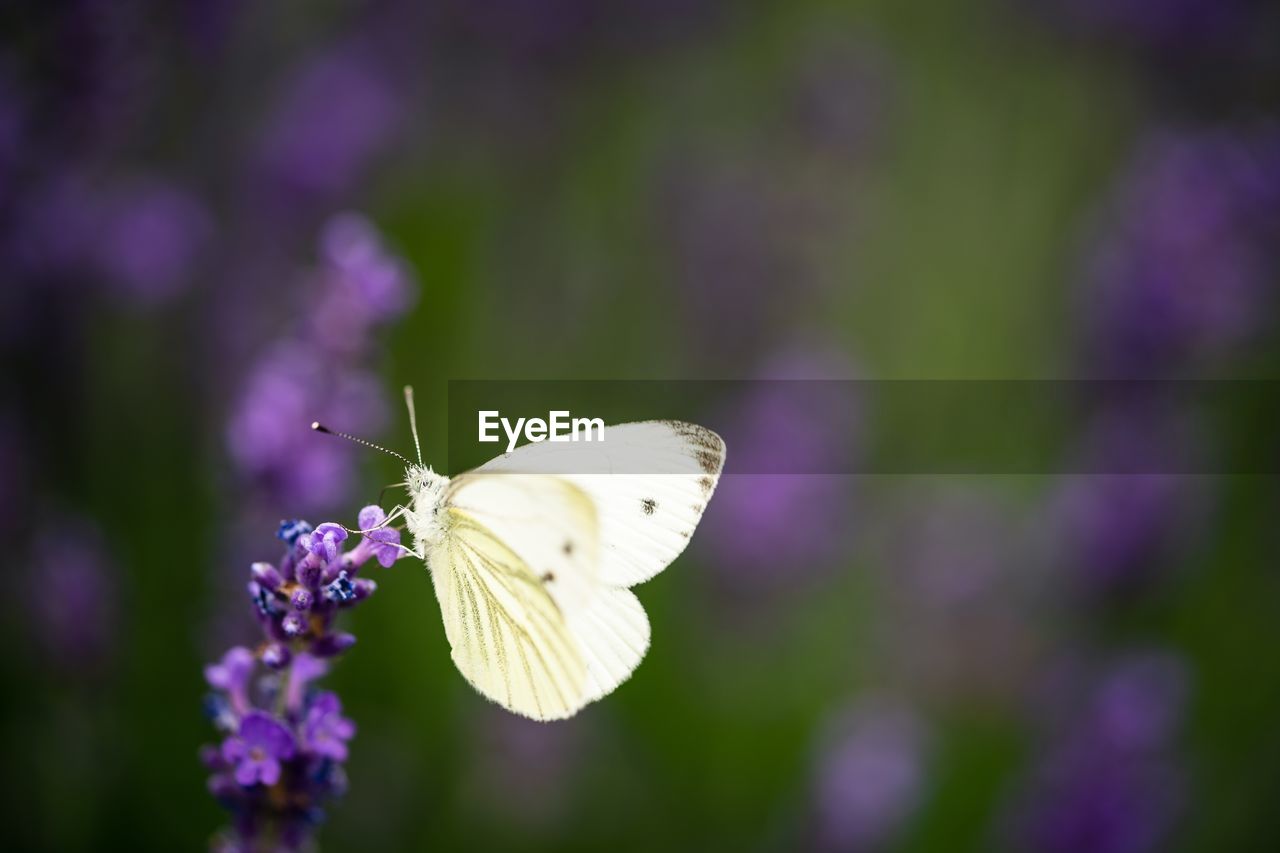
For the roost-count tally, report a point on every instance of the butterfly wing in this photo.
(533, 574)
(613, 633)
(507, 589)
(665, 473)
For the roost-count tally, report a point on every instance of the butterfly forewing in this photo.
(649, 483)
(548, 522)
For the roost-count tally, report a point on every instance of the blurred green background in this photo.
(701, 190)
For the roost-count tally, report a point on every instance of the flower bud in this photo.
(363, 588)
(332, 645)
(276, 655)
(341, 589)
(266, 575)
(294, 625)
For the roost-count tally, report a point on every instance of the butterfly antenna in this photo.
(413, 420)
(319, 427)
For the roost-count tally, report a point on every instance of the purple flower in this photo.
(267, 576)
(956, 617)
(870, 776)
(325, 540)
(325, 730)
(781, 509)
(1115, 526)
(316, 373)
(337, 113)
(256, 752)
(1102, 802)
(368, 277)
(341, 589)
(1138, 703)
(332, 645)
(1170, 26)
(150, 239)
(73, 608)
(269, 436)
(306, 669)
(1185, 254)
(292, 529)
(383, 544)
(232, 675)
(1109, 779)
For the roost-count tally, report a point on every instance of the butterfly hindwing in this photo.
(613, 634)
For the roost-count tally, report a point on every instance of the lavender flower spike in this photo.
(282, 759)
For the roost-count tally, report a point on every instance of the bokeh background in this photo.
(220, 220)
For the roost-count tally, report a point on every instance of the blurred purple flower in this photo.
(337, 113)
(1115, 530)
(150, 238)
(306, 669)
(1109, 779)
(231, 674)
(362, 285)
(269, 433)
(958, 615)
(870, 775)
(782, 509)
(325, 731)
(1186, 253)
(315, 373)
(256, 752)
(1163, 25)
(73, 610)
(1139, 703)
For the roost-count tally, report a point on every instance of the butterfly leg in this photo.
(396, 512)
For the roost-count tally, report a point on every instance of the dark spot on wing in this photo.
(710, 461)
(648, 505)
(567, 548)
(548, 577)
(707, 485)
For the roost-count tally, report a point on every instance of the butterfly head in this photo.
(425, 515)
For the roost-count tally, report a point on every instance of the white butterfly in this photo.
(532, 569)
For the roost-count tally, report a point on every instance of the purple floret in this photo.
(256, 752)
(326, 731)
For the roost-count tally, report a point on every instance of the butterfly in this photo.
(533, 555)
